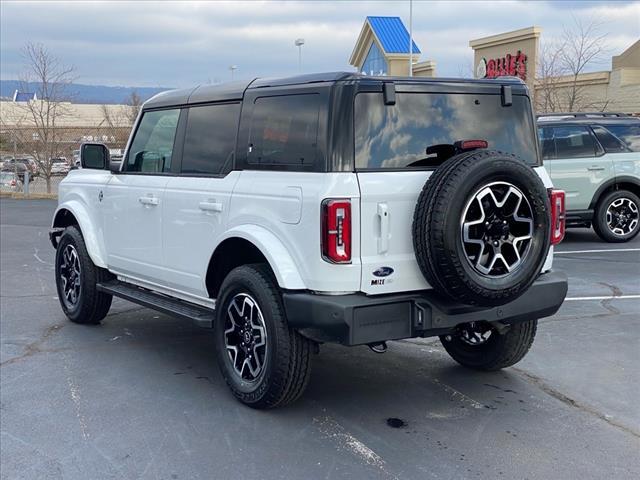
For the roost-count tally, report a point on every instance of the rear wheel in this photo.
(76, 279)
(265, 363)
(617, 216)
(481, 347)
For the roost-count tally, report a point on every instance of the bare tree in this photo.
(43, 114)
(548, 74)
(116, 116)
(583, 45)
(561, 63)
(135, 101)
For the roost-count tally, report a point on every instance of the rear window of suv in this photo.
(397, 136)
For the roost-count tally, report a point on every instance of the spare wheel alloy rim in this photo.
(245, 337)
(497, 229)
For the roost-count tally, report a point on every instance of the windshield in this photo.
(397, 136)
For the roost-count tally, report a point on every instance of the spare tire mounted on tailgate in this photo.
(481, 228)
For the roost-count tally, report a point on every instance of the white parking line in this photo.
(559, 252)
(621, 297)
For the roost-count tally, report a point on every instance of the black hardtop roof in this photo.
(235, 90)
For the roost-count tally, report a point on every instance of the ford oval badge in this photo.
(383, 272)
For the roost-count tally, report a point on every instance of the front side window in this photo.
(375, 63)
(574, 141)
(152, 146)
(210, 139)
(284, 131)
(398, 136)
(629, 134)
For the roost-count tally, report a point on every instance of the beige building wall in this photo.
(498, 46)
(71, 115)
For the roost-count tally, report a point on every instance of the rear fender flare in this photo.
(280, 261)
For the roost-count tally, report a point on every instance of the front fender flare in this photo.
(95, 247)
(280, 261)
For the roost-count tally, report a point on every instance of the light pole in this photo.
(233, 68)
(298, 43)
(411, 38)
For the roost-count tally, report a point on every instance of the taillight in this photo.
(558, 215)
(336, 230)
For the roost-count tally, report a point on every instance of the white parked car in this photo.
(322, 208)
(10, 181)
(60, 166)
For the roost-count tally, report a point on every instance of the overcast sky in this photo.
(182, 44)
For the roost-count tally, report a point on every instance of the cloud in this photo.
(184, 43)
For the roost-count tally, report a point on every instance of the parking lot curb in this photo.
(32, 196)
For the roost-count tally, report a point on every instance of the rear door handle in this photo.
(383, 241)
(595, 169)
(210, 206)
(149, 200)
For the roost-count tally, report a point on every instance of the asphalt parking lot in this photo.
(141, 397)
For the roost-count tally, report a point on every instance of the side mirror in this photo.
(94, 156)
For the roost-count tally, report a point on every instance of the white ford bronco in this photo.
(285, 213)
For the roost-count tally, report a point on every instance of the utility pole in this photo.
(411, 38)
(298, 43)
(233, 68)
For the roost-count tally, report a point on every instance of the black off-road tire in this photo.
(499, 351)
(600, 217)
(92, 305)
(287, 367)
(437, 223)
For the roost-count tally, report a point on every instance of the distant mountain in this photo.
(81, 93)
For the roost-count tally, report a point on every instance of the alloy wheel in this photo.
(497, 229)
(70, 276)
(622, 216)
(245, 337)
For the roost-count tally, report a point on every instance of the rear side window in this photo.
(152, 145)
(210, 139)
(284, 131)
(397, 136)
(609, 142)
(574, 141)
(547, 147)
(629, 134)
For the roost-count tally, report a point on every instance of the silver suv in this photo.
(595, 159)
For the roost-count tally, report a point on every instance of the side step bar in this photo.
(201, 316)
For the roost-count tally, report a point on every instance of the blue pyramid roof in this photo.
(392, 34)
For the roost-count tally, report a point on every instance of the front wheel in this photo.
(265, 363)
(76, 279)
(480, 346)
(617, 216)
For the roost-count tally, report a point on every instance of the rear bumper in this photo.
(357, 319)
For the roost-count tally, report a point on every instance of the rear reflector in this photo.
(558, 215)
(336, 230)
